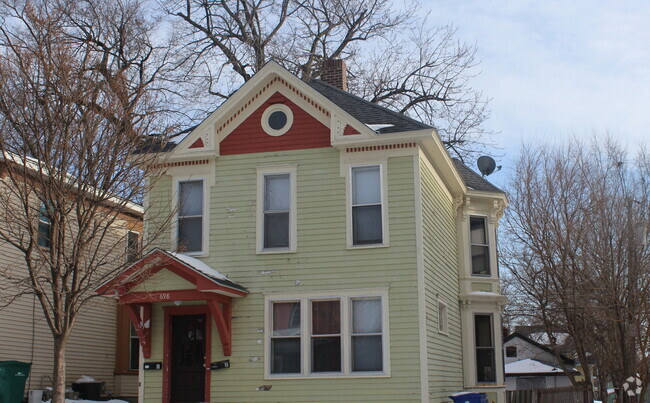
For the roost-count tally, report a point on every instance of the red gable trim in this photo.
(180, 164)
(379, 148)
(249, 137)
(260, 92)
(197, 144)
(350, 130)
(151, 264)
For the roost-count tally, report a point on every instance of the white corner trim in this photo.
(422, 308)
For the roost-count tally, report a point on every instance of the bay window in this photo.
(485, 349)
(327, 336)
(479, 246)
(190, 216)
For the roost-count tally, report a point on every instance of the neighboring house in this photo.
(331, 250)
(99, 345)
(529, 374)
(532, 365)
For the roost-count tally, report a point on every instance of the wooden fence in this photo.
(554, 395)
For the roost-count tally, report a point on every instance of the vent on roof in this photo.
(335, 73)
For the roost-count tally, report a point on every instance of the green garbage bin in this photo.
(13, 375)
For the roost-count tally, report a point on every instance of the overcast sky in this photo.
(557, 68)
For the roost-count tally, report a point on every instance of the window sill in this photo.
(369, 246)
(276, 251)
(359, 375)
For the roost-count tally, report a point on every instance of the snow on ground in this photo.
(90, 401)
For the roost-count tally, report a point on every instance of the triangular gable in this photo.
(271, 79)
(249, 137)
(163, 280)
(189, 269)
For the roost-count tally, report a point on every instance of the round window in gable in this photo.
(277, 119)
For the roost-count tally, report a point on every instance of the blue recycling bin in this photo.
(469, 398)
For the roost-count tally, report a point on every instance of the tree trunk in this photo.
(58, 376)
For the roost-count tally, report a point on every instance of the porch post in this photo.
(223, 320)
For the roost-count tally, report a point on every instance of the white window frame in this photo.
(262, 172)
(443, 316)
(383, 183)
(205, 219)
(346, 297)
(488, 244)
(275, 108)
(494, 347)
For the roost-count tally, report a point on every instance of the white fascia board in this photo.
(442, 162)
(380, 139)
(479, 194)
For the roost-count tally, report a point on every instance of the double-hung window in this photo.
(276, 199)
(286, 338)
(480, 248)
(44, 227)
(277, 205)
(327, 336)
(190, 216)
(485, 351)
(367, 209)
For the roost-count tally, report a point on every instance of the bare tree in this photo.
(395, 58)
(577, 253)
(78, 96)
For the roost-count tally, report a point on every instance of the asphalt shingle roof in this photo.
(366, 111)
(473, 180)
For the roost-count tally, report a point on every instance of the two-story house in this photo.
(100, 346)
(324, 249)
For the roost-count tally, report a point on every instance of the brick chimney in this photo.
(335, 73)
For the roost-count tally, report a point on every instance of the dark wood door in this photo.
(188, 359)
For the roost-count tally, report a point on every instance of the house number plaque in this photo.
(220, 364)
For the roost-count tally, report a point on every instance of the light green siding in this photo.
(321, 262)
(444, 351)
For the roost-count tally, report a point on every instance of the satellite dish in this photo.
(486, 165)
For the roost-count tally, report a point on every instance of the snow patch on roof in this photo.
(377, 127)
(199, 266)
(530, 366)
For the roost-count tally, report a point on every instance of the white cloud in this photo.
(557, 67)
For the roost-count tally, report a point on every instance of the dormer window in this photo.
(277, 120)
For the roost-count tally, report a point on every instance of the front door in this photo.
(188, 359)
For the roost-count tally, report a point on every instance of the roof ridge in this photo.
(374, 105)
